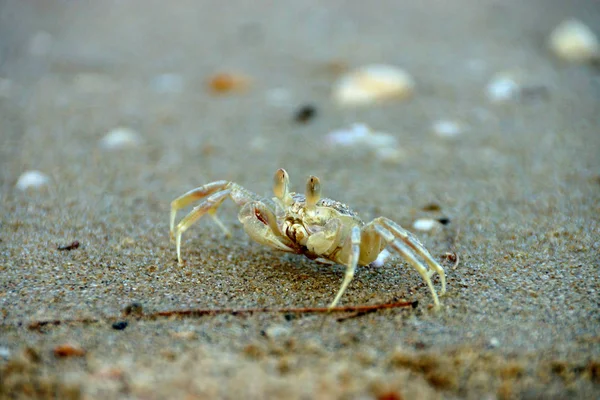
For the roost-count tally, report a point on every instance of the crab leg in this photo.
(352, 262)
(407, 254)
(417, 247)
(205, 207)
(194, 195)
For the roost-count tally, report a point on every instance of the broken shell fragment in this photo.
(381, 258)
(371, 84)
(447, 128)
(502, 88)
(425, 224)
(359, 136)
(573, 41)
(120, 138)
(32, 180)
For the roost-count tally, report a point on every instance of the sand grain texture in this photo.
(520, 186)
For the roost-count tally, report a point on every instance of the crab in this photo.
(322, 229)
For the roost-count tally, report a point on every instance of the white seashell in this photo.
(384, 255)
(360, 135)
(120, 138)
(502, 88)
(573, 41)
(425, 224)
(373, 83)
(446, 128)
(32, 180)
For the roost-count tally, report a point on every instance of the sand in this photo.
(520, 186)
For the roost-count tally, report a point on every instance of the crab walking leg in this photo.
(418, 248)
(405, 252)
(206, 206)
(352, 262)
(192, 196)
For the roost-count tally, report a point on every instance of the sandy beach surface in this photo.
(516, 183)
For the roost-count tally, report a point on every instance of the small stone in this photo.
(119, 325)
(127, 242)
(573, 41)
(494, 342)
(502, 88)
(222, 83)
(136, 309)
(371, 84)
(120, 138)
(69, 350)
(32, 180)
(447, 128)
(168, 83)
(185, 335)
(425, 224)
(305, 114)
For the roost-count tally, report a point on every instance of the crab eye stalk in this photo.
(281, 183)
(313, 191)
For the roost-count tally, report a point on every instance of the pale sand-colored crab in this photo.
(322, 229)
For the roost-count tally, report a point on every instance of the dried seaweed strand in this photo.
(233, 311)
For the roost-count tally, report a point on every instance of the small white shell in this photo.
(373, 83)
(573, 41)
(120, 138)
(446, 128)
(32, 180)
(360, 135)
(381, 258)
(502, 88)
(425, 224)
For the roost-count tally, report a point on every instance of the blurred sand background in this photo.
(520, 185)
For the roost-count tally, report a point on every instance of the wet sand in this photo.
(520, 186)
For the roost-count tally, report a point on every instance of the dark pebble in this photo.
(305, 114)
(120, 325)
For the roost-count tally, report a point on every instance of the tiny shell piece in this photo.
(373, 83)
(381, 258)
(447, 128)
(573, 41)
(502, 88)
(425, 224)
(120, 138)
(32, 179)
(360, 135)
